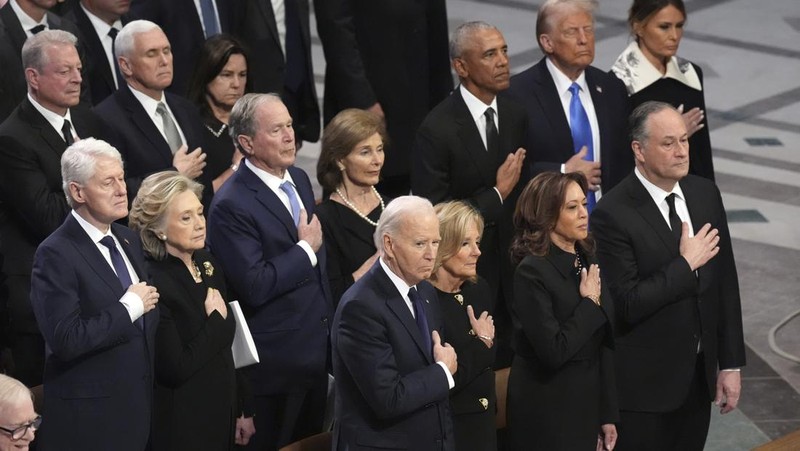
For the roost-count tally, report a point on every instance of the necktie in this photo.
(209, 17)
(66, 132)
(112, 33)
(170, 130)
(296, 64)
(492, 136)
(288, 188)
(120, 268)
(581, 132)
(421, 317)
(675, 222)
(38, 28)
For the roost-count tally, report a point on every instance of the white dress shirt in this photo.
(27, 21)
(279, 10)
(150, 105)
(54, 119)
(660, 198)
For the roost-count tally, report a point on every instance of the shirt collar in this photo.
(148, 103)
(657, 194)
(25, 20)
(94, 233)
(52, 118)
(637, 72)
(563, 82)
(399, 283)
(273, 182)
(475, 106)
(100, 26)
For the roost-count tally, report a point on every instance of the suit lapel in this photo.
(398, 306)
(91, 254)
(149, 130)
(650, 213)
(269, 200)
(13, 28)
(471, 140)
(265, 7)
(95, 47)
(602, 114)
(549, 100)
(46, 131)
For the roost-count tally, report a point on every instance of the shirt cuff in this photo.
(498, 194)
(311, 255)
(563, 168)
(450, 382)
(133, 304)
(732, 369)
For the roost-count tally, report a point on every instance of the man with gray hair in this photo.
(96, 312)
(263, 230)
(154, 129)
(392, 367)
(32, 203)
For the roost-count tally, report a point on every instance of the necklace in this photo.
(214, 132)
(358, 212)
(196, 272)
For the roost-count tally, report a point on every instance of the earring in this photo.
(163, 237)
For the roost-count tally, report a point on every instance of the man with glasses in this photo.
(18, 419)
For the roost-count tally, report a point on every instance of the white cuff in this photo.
(311, 255)
(498, 194)
(563, 168)
(450, 382)
(133, 304)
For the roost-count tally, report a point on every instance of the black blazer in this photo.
(549, 140)
(32, 202)
(137, 138)
(662, 307)
(389, 391)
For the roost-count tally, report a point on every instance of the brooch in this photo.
(459, 298)
(484, 402)
(209, 268)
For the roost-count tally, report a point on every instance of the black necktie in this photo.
(66, 131)
(112, 33)
(296, 65)
(38, 28)
(674, 220)
(492, 136)
(119, 267)
(421, 317)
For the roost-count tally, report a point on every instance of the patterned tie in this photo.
(288, 188)
(581, 133)
(209, 17)
(112, 33)
(66, 132)
(120, 268)
(173, 136)
(675, 222)
(492, 137)
(421, 317)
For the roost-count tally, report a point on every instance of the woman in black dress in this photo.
(348, 169)
(218, 81)
(651, 70)
(561, 392)
(465, 301)
(196, 401)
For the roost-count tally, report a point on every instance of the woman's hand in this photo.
(359, 273)
(483, 326)
(693, 119)
(590, 283)
(607, 438)
(244, 430)
(214, 301)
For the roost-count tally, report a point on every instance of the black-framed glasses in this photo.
(19, 432)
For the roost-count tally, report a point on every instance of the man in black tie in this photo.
(96, 312)
(665, 252)
(32, 203)
(392, 367)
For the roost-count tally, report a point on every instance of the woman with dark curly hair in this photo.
(561, 392)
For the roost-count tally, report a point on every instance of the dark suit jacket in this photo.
(181, 23)
(662, 307)
(286, 301)
(266, 69)
(137, 138)
(389, 391)
(32, 202)
(549, 140)
(357, 35)
(98, 381)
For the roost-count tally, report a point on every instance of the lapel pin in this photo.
(126, 241)
(599, 89)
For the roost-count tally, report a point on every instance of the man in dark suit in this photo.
(263, 230)
(19, 20)
(468, 148)
(96, 312)
(565, 31)
(665, 252)
(32, 203)
(279, 31)
(99, 21)
(153, 129)
(393, 373)
(389, 57)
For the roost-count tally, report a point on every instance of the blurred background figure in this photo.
(561, 392)
(651, 70)
(348, 169)
(196, 401)
(465, 300)
(218, 81)
(18, 420)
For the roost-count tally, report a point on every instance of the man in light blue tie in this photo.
(263, 230)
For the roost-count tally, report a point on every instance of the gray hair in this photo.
(79, 160)
(12, 392)
(33, 51)
(243, 115)
(637, 122)
(395, 214)
(463, 33)
(551, 8)
(126, 39)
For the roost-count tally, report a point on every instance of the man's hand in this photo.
(508, 172)
(444, 353)
(607, 439)
(310, 232)
(148, 295)
(377, 109)
(590, 169)
(244, 430)
(693, 119)
(214, 301)
(729, 388)
(701, 248)
(189, 164)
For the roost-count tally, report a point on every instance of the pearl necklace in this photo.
(358, 212)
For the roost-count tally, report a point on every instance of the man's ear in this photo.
(460, 68)
(388, 250)
(245, 144)
(546, 43)
(638, 151)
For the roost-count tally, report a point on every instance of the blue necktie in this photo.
(209, 17)
(120, 268)
(581, 132)
(421, 318)
(288, 188)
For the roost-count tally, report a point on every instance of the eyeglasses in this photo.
(20, 432)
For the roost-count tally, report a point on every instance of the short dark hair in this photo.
(637, 122)
(642, 10)
(214, 55)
